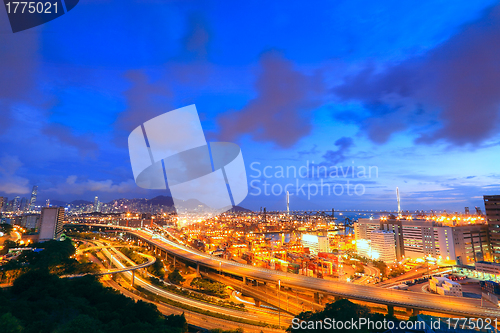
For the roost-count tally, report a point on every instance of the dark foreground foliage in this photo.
(42, 302)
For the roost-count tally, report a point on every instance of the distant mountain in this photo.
(58, 203)
(161, 200)
(238, 209)
(80, 202)
(191, 204)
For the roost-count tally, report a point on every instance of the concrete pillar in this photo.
(174, 262)
(245, 280)
(317, 298)
(197, 269)
(133, 277)
(412, 312)
(257, 303)
(337, 298)
(390, 310)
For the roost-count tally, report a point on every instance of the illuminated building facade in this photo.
(383, 246)
(51, 223)
(364, 227)
(492, 205)
(422, 238)
(32, 202)
(30, 221)
(316, 244)
(465, 241)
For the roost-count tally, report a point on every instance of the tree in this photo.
(81, 324)
(157, 268)
(7, 244)
(397, 271)
(6, 228)
(209, 287)
(175, 277)
(359, 268)
(10, 324)
(382, 266)
(43, 302)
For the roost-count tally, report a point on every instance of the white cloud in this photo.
(73, 186)
(10, 182)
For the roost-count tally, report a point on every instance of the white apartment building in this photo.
(364, 227)
(316, 244)
(421, 238)
(51, 223)
(383, 246)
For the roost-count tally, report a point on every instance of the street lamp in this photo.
(279, 304)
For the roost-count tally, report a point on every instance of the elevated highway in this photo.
(122, 268)
(456, 306)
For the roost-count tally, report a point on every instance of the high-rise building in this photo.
(418, 238)
(96, 204)
(30, 221)
(383, 246)
(23, 206)
(47, 203)
(51, 223)
(364, 227)
(34, 193)
(15, 204)
(492, 205)
(2, 203)
(315, 243)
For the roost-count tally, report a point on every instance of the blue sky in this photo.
(410, 89)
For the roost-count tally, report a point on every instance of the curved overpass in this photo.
(441, 304)
(151, 260)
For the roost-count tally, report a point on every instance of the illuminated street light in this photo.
(279, 304)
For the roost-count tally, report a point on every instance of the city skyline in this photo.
(188, 166)
(324, 93)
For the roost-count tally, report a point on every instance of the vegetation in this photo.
(6, 228)
(211, 288)
(198, 296)
(82, 235)
(397, 271)
(359, 268)
(42, 302)
(133, 255)
(382, 267)
(354, 255)
(175, 277)
(198, 310)
(54, 256)
(342, 310)
(7, 245)
(218, 330)
(157, 268)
